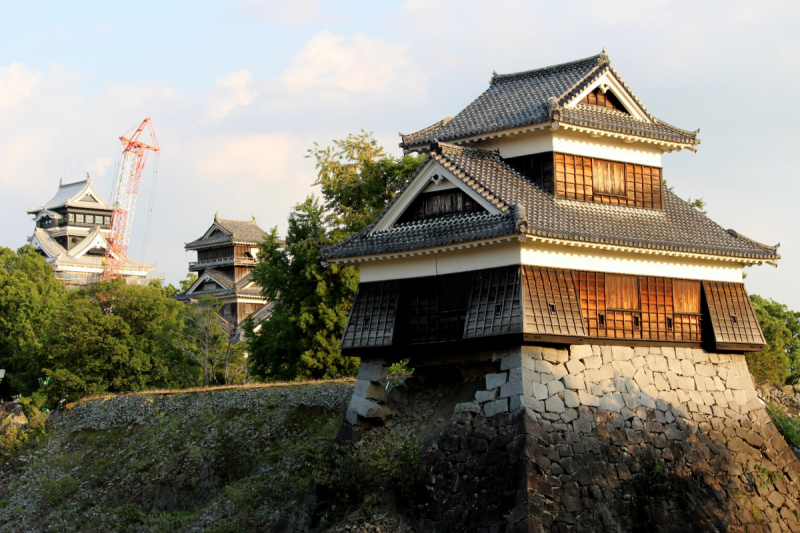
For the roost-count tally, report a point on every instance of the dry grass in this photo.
(242, 386)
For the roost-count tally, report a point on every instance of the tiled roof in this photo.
(536, 97)
(227, 286)
(71, 194)
(62, 257)
(230, 231)
(679, 227)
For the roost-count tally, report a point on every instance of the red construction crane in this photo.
(134, 155)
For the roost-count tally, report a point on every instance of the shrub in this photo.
(788, 426)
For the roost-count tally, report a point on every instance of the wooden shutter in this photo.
(686, 297)
(551, 302)
(372, 317)
(608, 178)
(622, 292)
(732, 317)
(494, 307)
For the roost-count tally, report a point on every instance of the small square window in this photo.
(108, 221)
(734, 320)
(669, 324)
(601, 320)
(552, 308)
(636, 322)
(72, 217)
(498, 310)
(90, 219)
(366, 321)
(79, 218)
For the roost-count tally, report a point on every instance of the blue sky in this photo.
(239, 90)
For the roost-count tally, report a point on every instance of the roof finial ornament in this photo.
(494, 75)
(603, 60)
(553, 108)
(60, 182)
(254, 218)
(88, 177)
(216, 216)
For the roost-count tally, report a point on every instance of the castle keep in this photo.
(595, 321)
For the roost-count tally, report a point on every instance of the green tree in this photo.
(188, 281)
(357, 180)
(780, 360)
(112, 337)
(202, 339)
(300, 340)
(29, 297)
(169, 291)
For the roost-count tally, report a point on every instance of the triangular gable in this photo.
(93, 240)
(89, 198)
(609, 84)
(432, 177)
(42, 241)
(205, 278)
(214, 231)
(87, 195)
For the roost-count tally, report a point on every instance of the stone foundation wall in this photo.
(599, 438)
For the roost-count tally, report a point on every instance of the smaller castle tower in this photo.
(226, 255)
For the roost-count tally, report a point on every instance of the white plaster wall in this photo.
(550, 255)
(449, 262)
(572, 142)
(559, 256)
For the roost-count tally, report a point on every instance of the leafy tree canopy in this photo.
(780, 360)
(300, 340)
(29, 296)
(188, 281)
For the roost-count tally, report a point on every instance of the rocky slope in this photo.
(224, 461)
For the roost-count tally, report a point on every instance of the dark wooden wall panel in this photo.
(575, 176)
(372, 317)
(603, 99)
(433, 309)
(551, 304)
(732, 317)
(494, 303)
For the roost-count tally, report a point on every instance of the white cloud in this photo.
(292, 12)
(335, 66)
(234, 90)
(17, 83)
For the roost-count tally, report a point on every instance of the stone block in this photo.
(587, 399)
(631, 400)
(569, 415)
(367, 408)
(559, 371)
(719, 385)
(739, 382)
(544, 367)
(370, 390)
(571, 399)
(539, 391)
(593, 362)
(535, 405)
(658, 363)
(624, 368)
(707, 370)
(699, 356)
(643, 378)
(554, 387)
(606, 372)
(622, 353)
(495, 407)
(612, 401)
(591, 376)
(516, 402)
(484, 396)
(467, 407)
(700, 383)
(512, 388)
(580, 351)
(643, 351)
(638, 362)
(495, 380)
(687, 367)
(575, 367)
(372, 370)
(574, 382)
(631, 387)
(674, 365)
(660, 383)
(554, 404)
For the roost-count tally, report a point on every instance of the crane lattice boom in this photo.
(134, 155)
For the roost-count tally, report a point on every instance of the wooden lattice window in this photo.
(372, 317)
(622, 292)
(434, 309)
(608, 178)
(494, 307)
(686, 297)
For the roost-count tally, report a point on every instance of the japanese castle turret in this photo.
(577, 331)
(71, 232)
(540, 215)
(226, 255)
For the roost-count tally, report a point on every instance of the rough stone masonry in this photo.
(598, 438)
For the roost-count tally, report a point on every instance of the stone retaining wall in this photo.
(602, 438)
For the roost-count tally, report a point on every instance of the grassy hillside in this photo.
(221, 461)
